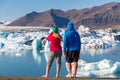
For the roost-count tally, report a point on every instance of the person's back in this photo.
(71, 39)
(55, 42)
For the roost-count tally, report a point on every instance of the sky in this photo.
(11, 10)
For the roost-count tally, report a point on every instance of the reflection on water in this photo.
(37, 55)
(93, 55)
(47, 50)
(33, 62)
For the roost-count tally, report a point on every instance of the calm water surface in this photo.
(30, 64)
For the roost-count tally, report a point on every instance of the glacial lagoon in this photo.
(32, 64)
(18, 58)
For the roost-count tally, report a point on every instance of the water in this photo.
(30, 64)
(26, 65)
(92, 55)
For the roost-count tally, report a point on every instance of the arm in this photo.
(65, 43)
(49, 36)
(79, 42)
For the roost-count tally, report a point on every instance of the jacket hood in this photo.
(55, 29)
(70, 25)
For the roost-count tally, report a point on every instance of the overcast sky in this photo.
(11, 10)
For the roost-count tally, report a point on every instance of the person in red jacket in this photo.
(55, 51)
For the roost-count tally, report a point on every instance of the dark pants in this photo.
(72, 56)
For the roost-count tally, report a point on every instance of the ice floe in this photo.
(103, 68)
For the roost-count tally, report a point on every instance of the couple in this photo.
(71, 48)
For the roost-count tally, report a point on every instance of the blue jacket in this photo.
(71, 40)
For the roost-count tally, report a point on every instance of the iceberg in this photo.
(36, 44)
(98, 38)
(103, 68)
(104, 64)
(90, 39)
(4, 34)
(18, 54)
(1, 45)
(116, 67)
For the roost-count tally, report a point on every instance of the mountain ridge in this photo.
(107, 15)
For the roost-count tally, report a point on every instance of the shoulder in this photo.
(76, 32)
(51, 33)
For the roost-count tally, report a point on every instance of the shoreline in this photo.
(23, 29)
(50, 78)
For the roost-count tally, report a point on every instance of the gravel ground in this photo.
(50, 78)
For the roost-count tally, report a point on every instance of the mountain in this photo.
(107, 15)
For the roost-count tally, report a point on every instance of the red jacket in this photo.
(55, 42)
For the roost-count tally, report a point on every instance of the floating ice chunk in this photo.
(18, 54)
(98, 69)
(90, 74)
(107, 44)
(12, 35)
(12, 46)
(85, 40)
(100, 31)
(36, 44)
(86, 74)
(116, 43)
(104, 64)
(116, 67)
(107, 37)
(81, 28)
(1, 45)
(91, 66)
(20, 40)
(81, 62)
(4, 34)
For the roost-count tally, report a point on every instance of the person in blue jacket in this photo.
(71, 48)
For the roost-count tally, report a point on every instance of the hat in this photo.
(70, 25)
(55, 29)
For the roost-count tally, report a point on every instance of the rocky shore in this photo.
(50, 78)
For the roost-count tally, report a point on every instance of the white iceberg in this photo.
(103, 68)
